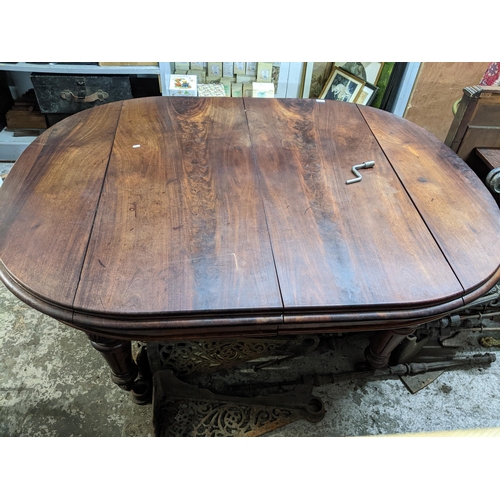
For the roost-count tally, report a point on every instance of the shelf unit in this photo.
(288, 84)
(163, 70)
(89, 69)
(11, 147)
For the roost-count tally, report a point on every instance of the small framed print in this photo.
(183, 85)
(264, 72)
(315, 76)
(260, 89)
(366, 71)
(342, 86)
(181, 66)
(239, 68)
(367, 94)
(215, 69)
(197, 66)
(227, 82)
(199, 73)
(247, 90)
(227, 69)
(236, 90)
(251, 69)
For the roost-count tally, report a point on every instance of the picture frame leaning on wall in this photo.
(342, 86)
(367, 71)
(315, 76)
(367, 94)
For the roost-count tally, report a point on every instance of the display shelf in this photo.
(11, 147)
(89, 69)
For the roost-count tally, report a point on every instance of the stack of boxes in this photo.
(230, 79)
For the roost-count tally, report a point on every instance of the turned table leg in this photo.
(382, 344)
(118, 355)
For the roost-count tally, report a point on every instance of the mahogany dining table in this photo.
(184, 218)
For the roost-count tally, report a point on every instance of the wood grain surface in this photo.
(180, 225)
(48, 202)
(458, 209)
(340, 246)
(490, 156)
(183, 216)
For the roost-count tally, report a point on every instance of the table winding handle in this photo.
(366, 164)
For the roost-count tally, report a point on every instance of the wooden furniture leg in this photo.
(382, 344)
(118, 355)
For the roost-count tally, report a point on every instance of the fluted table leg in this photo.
(118, 355)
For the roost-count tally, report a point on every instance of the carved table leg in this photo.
(382, 344)
(118, 355)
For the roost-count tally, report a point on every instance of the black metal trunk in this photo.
(68, 94)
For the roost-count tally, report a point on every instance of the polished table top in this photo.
(182, 217)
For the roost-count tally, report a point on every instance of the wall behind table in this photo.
(437, 87)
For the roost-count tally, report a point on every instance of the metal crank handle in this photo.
(366, 164)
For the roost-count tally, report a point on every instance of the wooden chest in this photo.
(67, 94)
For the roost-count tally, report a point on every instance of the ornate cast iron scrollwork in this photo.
(211, 419)
(181, 409)
(189, 359)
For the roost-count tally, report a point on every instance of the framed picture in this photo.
(215, 69)
(239, 68)
(391, 91)
(315, 76)
(264, 71)
(367, 94)
(342, 86)
(383, 83)
(367, 71)
(227, 69)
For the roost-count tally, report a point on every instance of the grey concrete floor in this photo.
(52, 383)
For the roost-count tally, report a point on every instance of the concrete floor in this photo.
(52, 383)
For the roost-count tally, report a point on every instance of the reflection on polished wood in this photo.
(190, 218)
